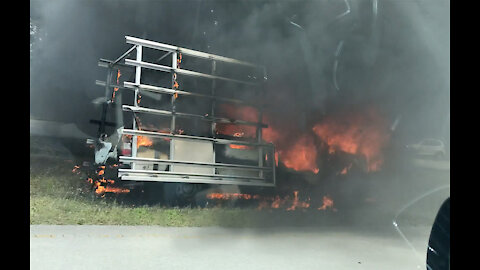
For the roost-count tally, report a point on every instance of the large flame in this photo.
(358, 132)
(363, 133)
(301, 156)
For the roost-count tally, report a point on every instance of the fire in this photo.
(144, 141)
(364, 133)
(101, 185)
(296, 203)
(266, 202)
(179, 60)
(327, 203)
(117, 190)
(277, 202)
(242, 113)
(116, 88)
(240, 146)
(360, 132)
(99, 189)
(175, 83)
(301, 156)
(228, 196)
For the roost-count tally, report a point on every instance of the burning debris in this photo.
(287, 202)
(100, 184)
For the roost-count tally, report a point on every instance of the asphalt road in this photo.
(145, 247)
(366, 240)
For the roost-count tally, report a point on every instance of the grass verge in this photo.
(59, 197)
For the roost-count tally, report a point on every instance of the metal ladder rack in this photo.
(185, 167)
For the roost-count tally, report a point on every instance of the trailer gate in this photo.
(191, 159)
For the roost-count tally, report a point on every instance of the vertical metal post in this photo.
(138, 73)
(172, 102)
(259, 128)
(101, 128)
(212, 112)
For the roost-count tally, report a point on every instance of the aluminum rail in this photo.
(148, 65)
(187, 137)
(195, 180)
(106, 63)
(163, 90)
(185, 51)
(126, 159)
(102, 83)
(128, 171)
(188, 115)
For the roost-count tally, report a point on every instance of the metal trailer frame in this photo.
(135, 174)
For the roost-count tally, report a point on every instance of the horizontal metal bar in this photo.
(129, 171)
(185, 51)
(189, 115)
(163, 90)
(126, 159)
(182, 71)
(195, 180)
(102, 83)
(186, 137)
(106, 63)
(143, 64)
(146, 110)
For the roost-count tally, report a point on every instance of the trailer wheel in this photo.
(179, 194)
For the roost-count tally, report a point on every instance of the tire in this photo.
(179, 194)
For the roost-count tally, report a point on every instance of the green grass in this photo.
(49, 210)
(59, 197)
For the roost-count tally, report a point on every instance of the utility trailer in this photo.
(169, 123)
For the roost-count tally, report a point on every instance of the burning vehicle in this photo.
(187, 121)
(179, 136)
(191, 140)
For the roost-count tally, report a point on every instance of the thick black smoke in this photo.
(320, 55)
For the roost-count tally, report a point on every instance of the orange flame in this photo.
(144, 141)
(240, 146)
(302, 156)
(327, 203)
(228, 196)
(363, 133)
(116, 88)
(296, 203)
(235, 112)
